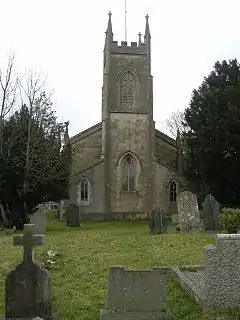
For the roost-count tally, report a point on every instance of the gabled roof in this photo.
(89, 166)
(86, 133)
(165, 138)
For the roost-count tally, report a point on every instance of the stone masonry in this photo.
(127, 127)
(136, 295)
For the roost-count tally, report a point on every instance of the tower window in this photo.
(84, 191)
(173, 192)
(128, 89)
(128, 173)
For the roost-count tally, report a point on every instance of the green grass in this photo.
(81, 277)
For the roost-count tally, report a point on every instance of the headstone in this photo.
(62, 215)
(158, 223)
(211, 213)
(189, 218)
(136, 294)
(28, 286)
(72, 215)
(39, 221)
(216, 284)
(175, 218)
(222, 272)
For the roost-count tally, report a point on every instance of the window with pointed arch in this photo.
(84, 191)
(128, 85)
(128, 165)
(173, 192)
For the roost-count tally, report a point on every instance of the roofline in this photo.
(166, 138)
(86, 133)
(89, 167)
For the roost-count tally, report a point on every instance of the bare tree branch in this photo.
(8, 93)
(175, 123)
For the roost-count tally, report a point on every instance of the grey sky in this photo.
(65, 40)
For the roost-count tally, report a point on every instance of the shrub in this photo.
(230, 220)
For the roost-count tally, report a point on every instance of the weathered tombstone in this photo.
(189, 218)
(39, 221)
(72, 215)
(216, 284)
(211, 213)
(28, 287)
(62, 215)
(158, 223)
(136, 294)
(222, 272)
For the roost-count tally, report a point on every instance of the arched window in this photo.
(128, 89)
(84, 191)
(173, 192)
(128, 173)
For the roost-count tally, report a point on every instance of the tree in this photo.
(213, 134)
(34, 165)
(174, 123)
(8, 92)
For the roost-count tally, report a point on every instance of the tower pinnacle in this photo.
(109, 31)
(147, 29)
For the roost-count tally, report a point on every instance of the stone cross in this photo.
(28, 240)
(28, 288)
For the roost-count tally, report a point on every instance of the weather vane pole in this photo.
(125, 20)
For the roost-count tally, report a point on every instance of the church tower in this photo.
(128, 131)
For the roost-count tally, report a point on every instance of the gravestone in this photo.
(39, 221)
(187, 206)
(136, 294)
(222, 272)
(211, 213)
(158, 223)
(28, 286)
(62, 215)
(72, 215)
(216, 284)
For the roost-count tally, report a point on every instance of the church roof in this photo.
(86, 133)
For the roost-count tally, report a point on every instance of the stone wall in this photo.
(164, 176)
(165, 150)
(129, 132)
(86, 148)
(95, 175)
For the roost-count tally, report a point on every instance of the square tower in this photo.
(128, 130)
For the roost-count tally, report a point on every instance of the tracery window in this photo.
(128, 173)
(128, 89)
(84, 191)
(173, 192)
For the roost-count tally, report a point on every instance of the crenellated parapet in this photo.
(133, 48)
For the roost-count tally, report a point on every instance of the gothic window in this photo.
(128, 173)
(128, 89)
(84, 191)
(173, 192)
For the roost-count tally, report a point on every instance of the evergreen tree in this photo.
(33, 164)
(212, 139)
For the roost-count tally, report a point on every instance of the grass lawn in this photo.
(81, 275)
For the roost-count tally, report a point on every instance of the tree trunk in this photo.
(4, 215)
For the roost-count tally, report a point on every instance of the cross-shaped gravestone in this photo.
(28, 288)
(28, 240)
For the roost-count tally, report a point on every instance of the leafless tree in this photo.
(175, 123)
(9, 82)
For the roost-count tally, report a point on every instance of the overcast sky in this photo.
(65, 38)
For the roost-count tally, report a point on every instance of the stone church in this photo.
(122, 167)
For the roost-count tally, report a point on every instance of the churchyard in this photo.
(85, 253)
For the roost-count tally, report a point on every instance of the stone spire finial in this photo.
(66, 134)
(147, 29)
(139, 38)
(109, 31)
